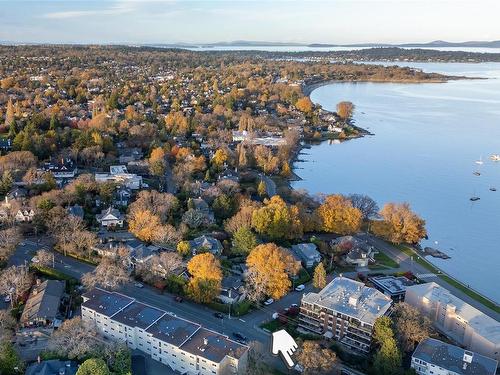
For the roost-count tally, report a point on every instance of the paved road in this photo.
(407, 264)
(270, 185)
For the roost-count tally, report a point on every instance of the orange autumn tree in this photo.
(144, 224)
(304, 104)
(157, 164)
(205, 282)
(337, 215)
(269, 268)
(399, 224)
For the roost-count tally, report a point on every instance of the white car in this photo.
(139, 285)
(7, 298)
(300, 288)
(268, 302)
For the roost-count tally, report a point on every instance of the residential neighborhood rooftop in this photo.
(451, 358)
(139, 315)
(351, 298)
(391, 283)
(173, 330)
(104, 302)
(43, 302)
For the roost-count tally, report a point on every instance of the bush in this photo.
(175, 284)
(237, 309)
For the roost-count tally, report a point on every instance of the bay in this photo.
(427, 139)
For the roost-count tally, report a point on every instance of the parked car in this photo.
(219, 315)
(178, 299)
(240, 338)
(268, 302)
(138, 285)
(7, 298)
(300, 288)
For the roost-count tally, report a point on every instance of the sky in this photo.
(305, 21)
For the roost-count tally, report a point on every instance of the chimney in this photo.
(38, 359)
(205, 341)
(467, 358)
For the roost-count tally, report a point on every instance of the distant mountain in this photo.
(435, 43)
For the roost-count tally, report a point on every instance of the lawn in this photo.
(384, 260)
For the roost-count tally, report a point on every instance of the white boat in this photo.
(495, 157)
(480, 161)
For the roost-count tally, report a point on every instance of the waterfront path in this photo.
(409, 263)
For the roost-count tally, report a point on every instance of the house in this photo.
(122, 196)
(359, 253)
(76, 211)
(52, 367)
(392, 286)
(184, 346)
(65, 169)
(345, 310)
(232, 290)
(119, 175)
(206, 244)
(436, 357)
(42, 306)
(110, 217)
(17, 193)
(456, 319)
(307, 254)
(25, 215)
(130, 154)
(200, 205)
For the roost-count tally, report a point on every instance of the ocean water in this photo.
(427, 139)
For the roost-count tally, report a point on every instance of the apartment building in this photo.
(434, 357)
(459, 321)
(182, 345)
(345, 310)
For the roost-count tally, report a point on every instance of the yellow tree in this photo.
(157, 164)
(315, 359)
(304, 104)
(269, 268)
(400, 224)
(319, 277)
(144, 224)
(277, 220)
(206, 273)
(219, 158)
(345, 110)
(338, 215)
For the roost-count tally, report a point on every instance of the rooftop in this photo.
(392, 284)
(43, 302)
(307, 249)
(106, 303)
(138, 315)
(213, 346)
(453, 358)
(173, 330)
(351, 298)
(483, 324)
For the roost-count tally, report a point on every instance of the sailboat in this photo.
(495, 157)
(480, 161)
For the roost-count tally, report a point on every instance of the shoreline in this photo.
(307, 90)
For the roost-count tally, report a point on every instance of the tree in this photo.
(167, 236)
(243, 218)
(6, 182)
(45, 258)
(410, 326)
(304, 104)
(75, 339)
(118, 358)
(224, 206)
(93, 366)
(162, 204)
(399, 224)
(206, 273)
(9, 239)
(166, 263)
(337, 215)
(157, 163)
(9, 114)
(108, 274)
(315, 359)
(244, 240)
(15, 281)
(144, 224)
(262, 188)
(319, 277)
(269, 268)
(277, 220)
(345, 110)
(219, 158)
(184, 248)
(365, 204)
(10, 362)
(7, 325)
(387, 360)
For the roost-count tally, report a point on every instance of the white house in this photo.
(307, 253)
(120, 175)
(110, 217)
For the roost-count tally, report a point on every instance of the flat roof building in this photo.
(459, 321)
(344, 310)
(391, 286)
(436, 357)
(182, 345)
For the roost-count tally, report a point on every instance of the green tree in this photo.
(6, 182)
(224, 206)
(387, 360)
(93, 366)
(10, 360)
(120, 360)
(319, 277)
(244, 240)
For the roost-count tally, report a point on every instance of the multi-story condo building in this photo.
(345, 310)
(459, 321)
(182, 345)
(434, 357)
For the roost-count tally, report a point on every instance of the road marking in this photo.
(241, 320)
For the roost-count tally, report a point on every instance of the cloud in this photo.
(119, 8)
